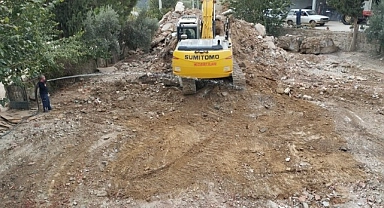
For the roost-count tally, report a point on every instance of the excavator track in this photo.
(238, 77)
(189, 86)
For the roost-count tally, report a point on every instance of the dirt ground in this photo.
(131, 141)
(307, 132)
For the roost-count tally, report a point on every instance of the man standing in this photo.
(44, 94)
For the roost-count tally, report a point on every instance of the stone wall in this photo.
(341, 39)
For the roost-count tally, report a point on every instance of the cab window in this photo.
(190, 32)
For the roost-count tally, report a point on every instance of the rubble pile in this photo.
(250, 45)
(164, 42)
(257, 54)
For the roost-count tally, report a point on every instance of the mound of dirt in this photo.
(257, 55)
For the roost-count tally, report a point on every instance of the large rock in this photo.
(269, 42)
(318, 45)
(290, 43)
(260, 29)
(307, 45)
(167, 27)
(179, 7)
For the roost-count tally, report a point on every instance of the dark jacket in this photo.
(43, 88)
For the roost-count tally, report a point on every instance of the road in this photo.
(335, 26)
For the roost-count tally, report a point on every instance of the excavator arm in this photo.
(208, 21)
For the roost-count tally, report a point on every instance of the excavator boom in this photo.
(208, 13)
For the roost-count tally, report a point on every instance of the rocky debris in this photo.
(380, 111)
(107, 69)
(261, 29)
(258, 55)
(4, 126)
(318, 45)
(179, 7)
(164, 41)
(269, 42)
(169, 26)
(101, 193)
(287, 91)
(8, 120)
(290, 43)
(307, 97)
(332, 76)
(307, 45)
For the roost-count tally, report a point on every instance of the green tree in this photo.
(101, 34)
(167, 5)
(142, 4)
(122, 7)
(70, 14)
(269, 13)
(138, 32)
(26, 32)
(352, 8)
(376, 28)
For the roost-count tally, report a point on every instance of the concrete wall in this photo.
(341, 39)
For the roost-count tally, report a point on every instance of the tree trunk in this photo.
(354, 37)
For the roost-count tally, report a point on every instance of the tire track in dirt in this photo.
(237, 160)
(203, 150)
(178, 169)
(362, 135)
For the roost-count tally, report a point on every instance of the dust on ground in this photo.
(305, 133)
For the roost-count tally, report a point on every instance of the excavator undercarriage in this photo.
(238, 81)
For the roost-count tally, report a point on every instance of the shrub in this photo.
(102, 29)
(376, 28)
(138, 32)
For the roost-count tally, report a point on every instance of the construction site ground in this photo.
(307, 132)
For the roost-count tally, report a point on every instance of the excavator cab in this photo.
(188, 27)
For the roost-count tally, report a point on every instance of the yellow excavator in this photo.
(203, 53)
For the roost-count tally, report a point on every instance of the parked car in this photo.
(308, 16)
